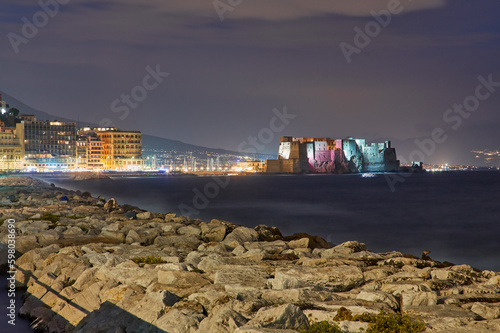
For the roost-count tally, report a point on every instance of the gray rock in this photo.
(486, 310)
(339, 278)
(144, 216)
(241, 235)
(111, 205)
(186, 242)
(299, 243)
(189, 230)
(176, 321)
(287, 316)
(213, 231)
(269, 247)
(223, 321)
(419, 298)
(48, 237)
(242, 275)
(379, 297)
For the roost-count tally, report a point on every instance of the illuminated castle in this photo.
(325, 155)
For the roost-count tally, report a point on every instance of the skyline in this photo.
(225, 77)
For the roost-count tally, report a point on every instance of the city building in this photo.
(11, 148)
(95, 149)
(122, 150)
(49, 144)
(325, 155)
(82, 153)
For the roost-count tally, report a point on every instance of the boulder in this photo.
(299, 243)
(343, 249)
(419, 298)
(182, 283)
(248, 276)
(486, 310)
(287, 316)
(223, 321)
(182, 241)
(144, 216)
(379, 297)
(177, 321)
(213, 232)
(315, 242)
(111, 205)
(269, 247)
(189, 230)
(268, 234)
(48, 237)
(340, 278)
(241, 235)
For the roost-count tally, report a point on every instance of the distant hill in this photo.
(148, 141)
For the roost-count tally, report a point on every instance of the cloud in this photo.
(271, 9)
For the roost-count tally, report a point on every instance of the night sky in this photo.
(226, 76)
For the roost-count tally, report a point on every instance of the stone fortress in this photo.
(325, 155)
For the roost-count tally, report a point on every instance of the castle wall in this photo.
(323, 155)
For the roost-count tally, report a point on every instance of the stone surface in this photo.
(287, 316)
(339, 278)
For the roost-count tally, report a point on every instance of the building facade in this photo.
(325, 155)
(50, 145)
(11, 148)
(122, 150)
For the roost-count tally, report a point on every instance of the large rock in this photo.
(306, 295)
(223, 321)
(379, 297)
(127, 273)
(143, 216)
(182, 283)
(486, 311)
(177, 321)
(287, 316)
(268, 234)
(213, 231)
(315, 242)
(419, 298)
(339, 278)
(343, 249)
(186, 242)
(299, 243)
(241, 235)
(273, 247)
(111, 205)
(48, 237)
(248, 276)
(189, 230)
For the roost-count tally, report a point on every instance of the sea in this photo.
(455, 215)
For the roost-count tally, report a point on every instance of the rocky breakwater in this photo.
(91, 265)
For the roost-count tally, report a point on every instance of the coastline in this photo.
(216, 276)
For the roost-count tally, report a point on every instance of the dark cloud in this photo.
(226, 77)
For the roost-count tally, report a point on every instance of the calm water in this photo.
(454, 215)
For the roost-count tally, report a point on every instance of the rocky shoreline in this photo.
(91, 265)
